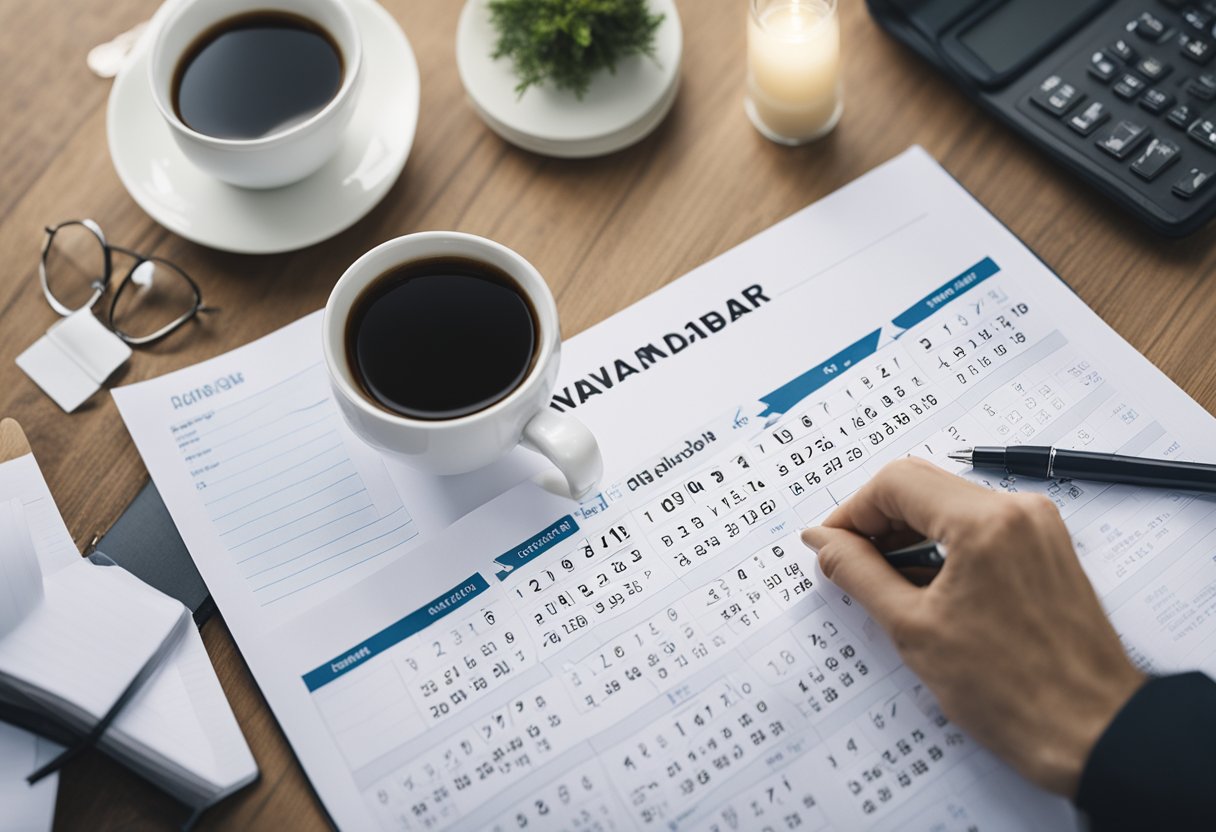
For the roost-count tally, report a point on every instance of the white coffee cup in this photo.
(465, 443)
(284, 156)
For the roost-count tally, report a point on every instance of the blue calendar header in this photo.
(535, 545)
(945, 293)
(792, 392)
(397, 632)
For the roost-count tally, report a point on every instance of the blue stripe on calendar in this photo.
(538, 543)
(792, 392)
(945, 293)
(397, 632)
(789, 394)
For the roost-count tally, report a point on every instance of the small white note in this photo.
(74, 358)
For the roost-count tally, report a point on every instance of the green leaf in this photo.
(565, 42)
(582, 33)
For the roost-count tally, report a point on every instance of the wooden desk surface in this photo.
(605, 233)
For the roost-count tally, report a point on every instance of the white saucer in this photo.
(200, 208)
(618, 110)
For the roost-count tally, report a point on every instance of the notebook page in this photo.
(233, 762)
(93, 631)
(20, 575)
(207, 749)
(21, 479)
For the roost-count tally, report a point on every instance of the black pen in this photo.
(1045, 462)
(928, 554)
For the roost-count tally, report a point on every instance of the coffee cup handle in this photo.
(569, 445)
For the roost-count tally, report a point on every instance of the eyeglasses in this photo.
(152, 300)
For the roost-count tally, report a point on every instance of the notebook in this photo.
(73, 637)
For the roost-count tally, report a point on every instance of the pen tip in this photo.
(963, 456)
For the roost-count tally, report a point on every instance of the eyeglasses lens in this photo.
(154, 295)
(75, 264)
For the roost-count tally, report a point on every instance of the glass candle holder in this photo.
(793, 69)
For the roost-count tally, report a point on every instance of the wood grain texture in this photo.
(12, 440)
(604, 232)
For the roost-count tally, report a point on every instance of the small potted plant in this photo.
(570, 78)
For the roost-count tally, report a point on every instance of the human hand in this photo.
(1009, 636)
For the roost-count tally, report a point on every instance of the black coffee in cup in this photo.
(255, 74)
(441, 338)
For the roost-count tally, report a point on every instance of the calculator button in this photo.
(1119, 141)
(1203, 87)
(1198, 50)
(1129, 87)
(1150, 27)
(1089, 119)
(1154, 69)
(1198, 19)
(1056, 95)
(1102, 66)
(1159, 155)
(1204, 132)
(1122, 50)
(1181, 116)
(1194, 181)
(1156, 101)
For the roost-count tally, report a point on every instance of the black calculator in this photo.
(1121, 92)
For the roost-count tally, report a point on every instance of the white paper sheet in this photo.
(294, 507)
(20, 479)
(20, 575)
(666, 654)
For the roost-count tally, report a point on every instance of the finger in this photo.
(908, 493)
(853, 564)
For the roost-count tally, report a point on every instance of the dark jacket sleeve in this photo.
(1155, 765)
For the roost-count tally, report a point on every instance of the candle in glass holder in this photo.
(793, 69)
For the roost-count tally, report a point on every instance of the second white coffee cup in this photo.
(284, 156)
(465, 443)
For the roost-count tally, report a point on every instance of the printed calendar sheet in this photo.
(666, 655)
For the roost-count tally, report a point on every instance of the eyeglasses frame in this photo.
(100, 285)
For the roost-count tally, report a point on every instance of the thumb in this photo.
(852, 563)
